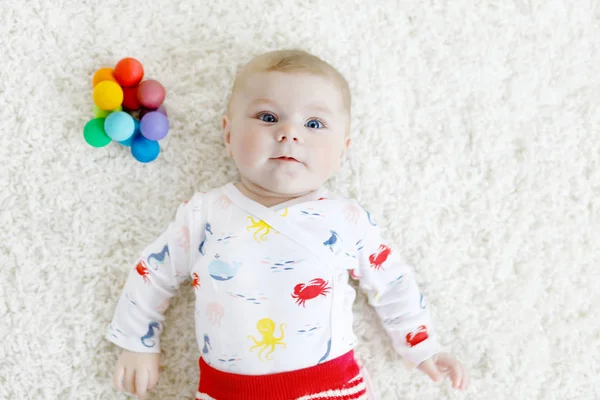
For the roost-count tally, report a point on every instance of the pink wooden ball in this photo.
(151, 94)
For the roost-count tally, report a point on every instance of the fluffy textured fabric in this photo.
(475, 146)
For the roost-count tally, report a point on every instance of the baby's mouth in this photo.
(291, 159)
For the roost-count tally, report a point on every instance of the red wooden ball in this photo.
(128, 72)
(130, 100)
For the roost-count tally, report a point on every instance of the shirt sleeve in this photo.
(390, 285)
(156, 276)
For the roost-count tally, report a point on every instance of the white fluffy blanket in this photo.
(476, 133)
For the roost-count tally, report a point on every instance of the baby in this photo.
(269, 257)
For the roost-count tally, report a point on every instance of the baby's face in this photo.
(287, 132)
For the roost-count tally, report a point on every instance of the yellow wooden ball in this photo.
(108, 95)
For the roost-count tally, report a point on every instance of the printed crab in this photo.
(377, 259)
(312, 289)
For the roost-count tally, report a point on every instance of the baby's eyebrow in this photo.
(313, 107)
(262, 101)
(322, 108)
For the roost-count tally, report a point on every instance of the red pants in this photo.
(337, 379)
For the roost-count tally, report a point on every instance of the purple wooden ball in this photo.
(154, 126)
(160, 109)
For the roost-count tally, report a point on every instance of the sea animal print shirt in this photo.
(271, 283)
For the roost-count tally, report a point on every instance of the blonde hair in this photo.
(292, 61)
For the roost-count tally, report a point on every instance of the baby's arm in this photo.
(139, 317)
(392, 290)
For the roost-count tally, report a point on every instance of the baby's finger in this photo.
(152, 379)
(456, 375)
(141, 383)
(118, 377)
(465, 381)
(129, 382)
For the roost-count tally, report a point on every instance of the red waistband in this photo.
(333, 374)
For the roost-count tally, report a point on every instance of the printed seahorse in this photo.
(151, 327)
(208, 229)
(160, 257)
(326, 353)
(206, 344)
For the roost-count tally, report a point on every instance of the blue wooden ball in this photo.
(144, 150)
(119, 126)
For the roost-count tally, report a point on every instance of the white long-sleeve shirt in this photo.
(271, 283)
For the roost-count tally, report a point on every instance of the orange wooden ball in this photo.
(103, 74)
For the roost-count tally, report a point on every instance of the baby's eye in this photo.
(314, 124)
(267, 117)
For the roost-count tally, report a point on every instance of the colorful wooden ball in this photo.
(119, 126)
(108, 95)
(129, 72)
(99, 113)
(151, 93)
(154, 126)
(130, 100)
(144, 111)
(144, 150)
(94, 134)
(103, 74)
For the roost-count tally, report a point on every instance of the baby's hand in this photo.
(442, 364)
(137, 373)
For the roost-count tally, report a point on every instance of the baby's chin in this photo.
(284, 186)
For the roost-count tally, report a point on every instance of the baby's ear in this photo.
(346, 146)
(226, 125)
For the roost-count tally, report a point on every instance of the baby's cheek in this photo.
(325, 160)
(249, 149)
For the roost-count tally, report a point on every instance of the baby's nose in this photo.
(287, 132)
